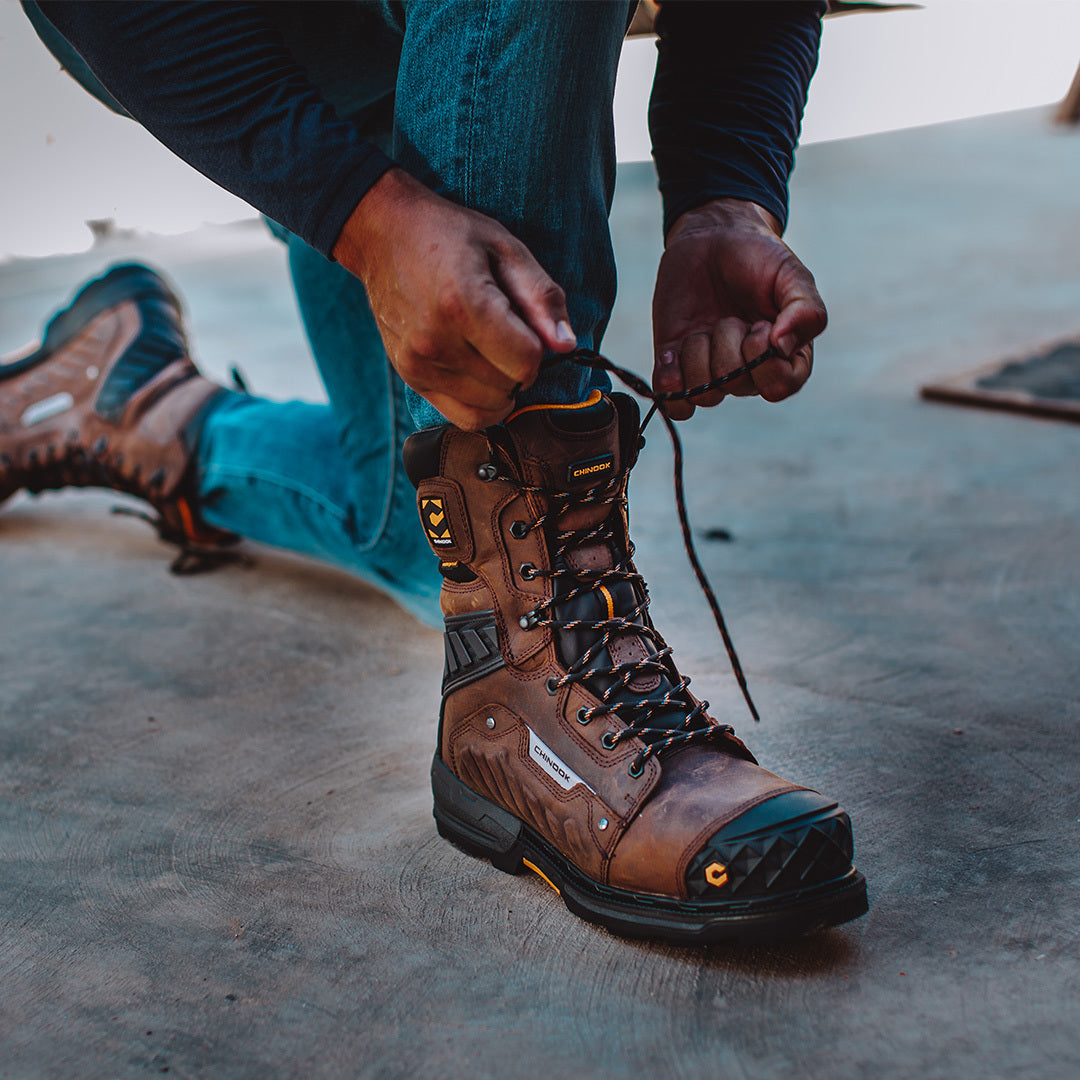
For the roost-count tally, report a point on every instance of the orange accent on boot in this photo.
(610, 602)
(716, 874)
(196, 532)
(187, 519)
(593, 399)
(537, 870)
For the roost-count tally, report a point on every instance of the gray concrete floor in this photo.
(215, 836)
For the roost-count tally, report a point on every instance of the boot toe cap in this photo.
(793, 841)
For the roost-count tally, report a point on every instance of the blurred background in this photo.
(68, 161)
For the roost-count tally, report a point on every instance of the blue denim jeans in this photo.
(503, 106)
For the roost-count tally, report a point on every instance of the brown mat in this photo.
(1046, 383)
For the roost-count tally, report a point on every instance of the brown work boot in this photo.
(111, 399)
(569, 742)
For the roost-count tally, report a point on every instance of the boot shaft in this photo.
(499, 508)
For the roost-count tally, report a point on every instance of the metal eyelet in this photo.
(636, 768)
(552, 685)
(487, 472)
(607, 740)
(519, 529)
(583, 716)
(529, 621)
(527, 571)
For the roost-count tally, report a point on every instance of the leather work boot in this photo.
(568, 740)
(111, 399)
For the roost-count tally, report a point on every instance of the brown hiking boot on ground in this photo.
(111, 399)
(569, 742)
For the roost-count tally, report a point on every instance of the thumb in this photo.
(802, 315)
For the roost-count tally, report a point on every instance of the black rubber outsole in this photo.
(481, 828)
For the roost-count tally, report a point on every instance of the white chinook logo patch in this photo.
(47, 409)
(561, 773)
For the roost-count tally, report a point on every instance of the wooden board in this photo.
(1044, 383)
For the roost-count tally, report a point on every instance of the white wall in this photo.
(65, 160)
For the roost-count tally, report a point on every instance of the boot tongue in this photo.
(570, 449)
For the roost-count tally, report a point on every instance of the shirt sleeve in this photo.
(728, 98)
(216, 84)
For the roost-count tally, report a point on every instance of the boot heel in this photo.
(473, 823)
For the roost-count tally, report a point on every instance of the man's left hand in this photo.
(727, 288)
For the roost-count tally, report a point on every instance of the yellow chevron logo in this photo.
(433, 512)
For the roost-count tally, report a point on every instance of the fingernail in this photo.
(786, 345)
(667, 359)
(564, 334)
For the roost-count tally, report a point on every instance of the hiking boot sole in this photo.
(481, 828)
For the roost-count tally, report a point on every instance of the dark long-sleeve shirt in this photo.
(218, 85)
(727, 101)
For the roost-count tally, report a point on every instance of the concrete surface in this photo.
(216, 850)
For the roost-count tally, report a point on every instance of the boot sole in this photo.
(481, 828)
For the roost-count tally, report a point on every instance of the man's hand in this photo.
(465, 311)
(727, 288)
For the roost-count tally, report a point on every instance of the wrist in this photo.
(374, 218)
(726, 213)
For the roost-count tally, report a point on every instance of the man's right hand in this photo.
(465, 311)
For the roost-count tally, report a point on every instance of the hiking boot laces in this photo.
(665, 720)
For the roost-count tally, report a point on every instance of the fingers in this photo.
(496, 322)
(540, 301)
(465, 311)
(465, 416)
(483, 331)
(699, 359)
(461, 384)
(781, 376)
(668, 379)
